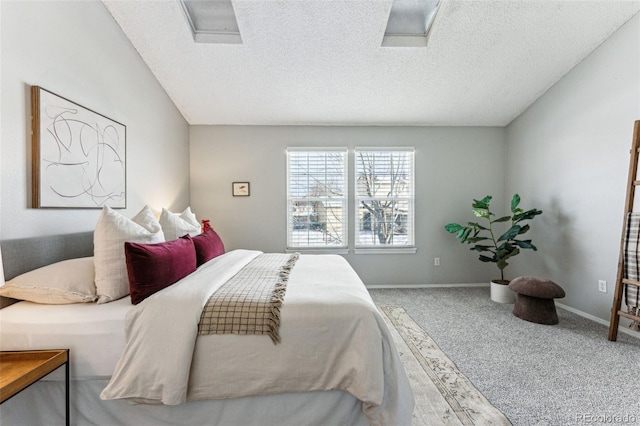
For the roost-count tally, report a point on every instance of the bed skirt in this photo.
(43, 403)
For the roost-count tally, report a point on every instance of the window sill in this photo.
(340, 250)
(389, 250)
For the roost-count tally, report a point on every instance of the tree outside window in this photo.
(384, 197)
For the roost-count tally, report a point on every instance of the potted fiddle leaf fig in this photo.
(494, 246)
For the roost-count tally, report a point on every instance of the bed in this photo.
(355, 378)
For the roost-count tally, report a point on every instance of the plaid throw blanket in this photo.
(249, 303)
(632, 264)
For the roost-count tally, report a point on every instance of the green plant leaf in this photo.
(465, 234)
(524, 229)
(529, 214)
(475, 239)
(480, 247)
(508, 251)
(511, 233)
(481, 213)
(526, 244)
(453, 227)
(482, 204)
(514, 202)
(502, 263)
(486, 259)
(502, 219)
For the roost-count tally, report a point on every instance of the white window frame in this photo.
(338, 248)
(409, 246)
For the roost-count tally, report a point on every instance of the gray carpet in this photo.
(535, 374)
(443, 395)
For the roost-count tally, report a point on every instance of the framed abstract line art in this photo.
(240, 189)
(78, 155)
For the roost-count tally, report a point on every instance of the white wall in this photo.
(568, 155)
(76, 49)
(453, 165)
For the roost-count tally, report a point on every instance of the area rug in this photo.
(444, 396)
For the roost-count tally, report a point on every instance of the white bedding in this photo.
(333, 338)
(371, 371)
(93, 333)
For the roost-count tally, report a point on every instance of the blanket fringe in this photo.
(277, 297)
(634, 310)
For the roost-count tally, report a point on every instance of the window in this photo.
(409, 23)
(316, 198)
(212, 22)
(384, 197)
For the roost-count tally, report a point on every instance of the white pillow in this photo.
(69, 281)
(112, 231)
(176, 225)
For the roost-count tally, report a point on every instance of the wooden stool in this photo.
(534, 299)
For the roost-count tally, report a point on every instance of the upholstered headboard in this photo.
(25, 254)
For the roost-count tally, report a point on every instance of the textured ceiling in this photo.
(319, 62)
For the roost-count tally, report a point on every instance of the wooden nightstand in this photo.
(20, 369)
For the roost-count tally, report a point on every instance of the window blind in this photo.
(384, 197)
(316, 198)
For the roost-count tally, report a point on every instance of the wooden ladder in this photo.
(621, 280)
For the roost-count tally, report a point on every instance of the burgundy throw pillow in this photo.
(152, 267)
(208, 245)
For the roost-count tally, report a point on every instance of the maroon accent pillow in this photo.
(152, 267)
(208, 245)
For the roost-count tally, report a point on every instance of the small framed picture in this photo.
(240, 189)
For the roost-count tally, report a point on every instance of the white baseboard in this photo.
(624, 330)
(388, 286)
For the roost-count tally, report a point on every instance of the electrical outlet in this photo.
(436, 261)
(602, 286)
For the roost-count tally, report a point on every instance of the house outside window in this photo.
(384, 198)
(317, 198)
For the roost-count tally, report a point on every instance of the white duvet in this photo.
(332, 339)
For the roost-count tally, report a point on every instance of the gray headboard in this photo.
(25, 254)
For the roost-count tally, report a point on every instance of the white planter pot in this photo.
(501, 293)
